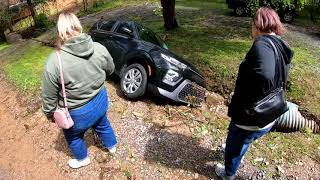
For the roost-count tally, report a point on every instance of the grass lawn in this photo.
(4, 45)
(23, 24)
(216, 44)
(25, 67)
(204, 4)
(107, 5)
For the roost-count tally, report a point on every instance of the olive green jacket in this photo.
(85, 67)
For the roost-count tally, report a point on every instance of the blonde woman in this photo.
(85, 67)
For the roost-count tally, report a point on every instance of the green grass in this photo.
(4, 46)
(304, 83)
(216, 51)
(204, 4)
(25, 68)
(284, 149)
(23, 24)
(102, 6)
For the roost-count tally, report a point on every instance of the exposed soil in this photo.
(21, 157)
(155, 142)
(156, 139)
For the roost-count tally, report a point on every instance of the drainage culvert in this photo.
(292, 121)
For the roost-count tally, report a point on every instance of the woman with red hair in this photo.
(267, 61)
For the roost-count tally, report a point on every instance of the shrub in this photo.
(41, 21)
(313, 9)
(253, 5)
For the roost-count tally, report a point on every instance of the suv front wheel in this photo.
(134, 81)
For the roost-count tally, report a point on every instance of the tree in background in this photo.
(85, 5)
(32, 10)
(32, 6)
(5, 20)
(169, 14)
(313, 8)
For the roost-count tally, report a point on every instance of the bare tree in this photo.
(85, 5)
(31, 8)
(169, 14)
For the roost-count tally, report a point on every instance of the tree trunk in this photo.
(3, 37)
(31, 8)
(85, 5)
(169, 15)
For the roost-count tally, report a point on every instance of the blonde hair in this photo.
(68, 26)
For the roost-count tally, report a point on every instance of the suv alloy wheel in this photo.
(288, 16)
(239, 10)
(134, 81)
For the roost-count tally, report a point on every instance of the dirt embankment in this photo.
(21, 157)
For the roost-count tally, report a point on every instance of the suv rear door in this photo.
(122, 43)
(104, 33)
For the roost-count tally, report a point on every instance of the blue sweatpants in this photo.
(92, 115)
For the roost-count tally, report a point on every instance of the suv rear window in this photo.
(107, 26)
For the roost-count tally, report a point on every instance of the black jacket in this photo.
(257, 76)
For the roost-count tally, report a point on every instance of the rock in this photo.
(137, 114)
(258, 159)
(280, 170)
(102, 157)
(27, 126)
(196, 176)
(214, 99)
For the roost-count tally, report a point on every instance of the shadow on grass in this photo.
(178, 151)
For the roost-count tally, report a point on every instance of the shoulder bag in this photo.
(62, 116)
(273, 104)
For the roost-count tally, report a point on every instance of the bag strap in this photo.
(62, 81)
(280, 66)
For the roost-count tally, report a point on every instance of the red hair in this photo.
(267, 20)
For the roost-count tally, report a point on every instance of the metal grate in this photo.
(192, 94)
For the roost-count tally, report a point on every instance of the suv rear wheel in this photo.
(134, 81)
(239, 10)
(288, 16)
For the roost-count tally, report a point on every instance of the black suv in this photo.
(143, 61)
(286, 13)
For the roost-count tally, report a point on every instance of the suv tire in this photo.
(239, 10)
(287, 16)
(134, 81)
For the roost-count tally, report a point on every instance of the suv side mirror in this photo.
(126, 31)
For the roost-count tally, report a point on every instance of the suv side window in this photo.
(123, 24)
(107, 26)
(147, 35)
